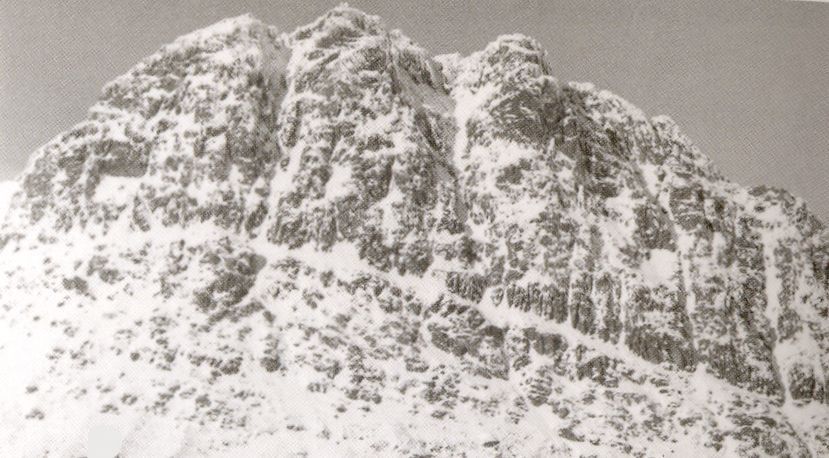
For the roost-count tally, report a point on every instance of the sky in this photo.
(747, 81)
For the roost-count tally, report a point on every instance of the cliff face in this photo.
(331, 240)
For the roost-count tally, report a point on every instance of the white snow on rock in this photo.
(7, 189)
(660, 267)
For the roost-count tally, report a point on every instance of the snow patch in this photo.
(659, 268)
(7, 189)
(116, 190)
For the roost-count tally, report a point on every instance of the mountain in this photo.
(329, 242)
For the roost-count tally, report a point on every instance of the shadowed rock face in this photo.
(331, 239)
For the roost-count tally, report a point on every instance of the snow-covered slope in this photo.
(328, 242)
(7, 188)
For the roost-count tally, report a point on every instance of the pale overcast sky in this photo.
(748, 80)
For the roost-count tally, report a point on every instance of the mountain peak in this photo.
(215, 33)
(340, 23)
(517, 42)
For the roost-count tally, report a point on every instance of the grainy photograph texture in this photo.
(403, 229)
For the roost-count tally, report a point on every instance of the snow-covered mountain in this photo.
(329, 242)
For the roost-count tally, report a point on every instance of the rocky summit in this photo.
(331, 243)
